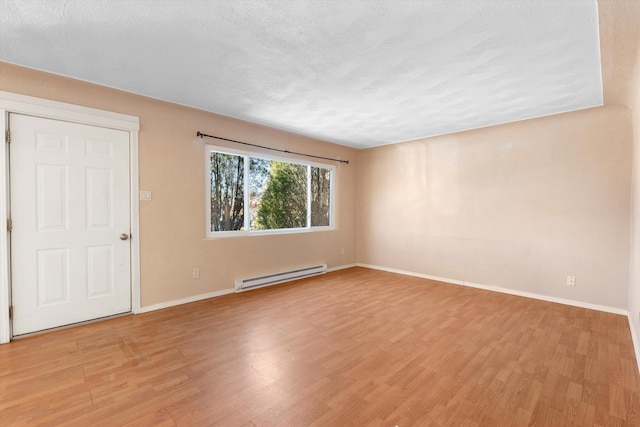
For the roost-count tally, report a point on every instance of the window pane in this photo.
(283, 203)
(227, 192)
(320, 196)
(258, 178)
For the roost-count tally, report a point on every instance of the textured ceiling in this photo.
(358, 73)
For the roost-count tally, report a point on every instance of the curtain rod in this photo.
(202, 135)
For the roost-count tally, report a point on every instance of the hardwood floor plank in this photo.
(356, 347)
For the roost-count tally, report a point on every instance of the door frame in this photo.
(44, 108)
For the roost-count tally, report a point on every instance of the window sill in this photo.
(227, 234)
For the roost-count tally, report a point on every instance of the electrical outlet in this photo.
(145, 195)
(571, 281)
(341, 251)
(196, 273)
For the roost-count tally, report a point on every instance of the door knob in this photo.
(124, 236)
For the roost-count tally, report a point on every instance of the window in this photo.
(257, 194)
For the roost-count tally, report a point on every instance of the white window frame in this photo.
(247, 232)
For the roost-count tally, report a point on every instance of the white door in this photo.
(70, 253)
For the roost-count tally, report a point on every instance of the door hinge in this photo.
(10, 312)
(9, 225)
(7, 136)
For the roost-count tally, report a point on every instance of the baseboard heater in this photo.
(273, 279)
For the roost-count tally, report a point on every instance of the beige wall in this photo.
(634, 283)
(520, 206)
(172, 166)
(620, 56)
(619, 22)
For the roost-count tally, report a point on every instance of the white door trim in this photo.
(22, 104)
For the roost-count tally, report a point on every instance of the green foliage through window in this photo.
(280, 194)
(284, 203)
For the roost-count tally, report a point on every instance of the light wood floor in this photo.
(351, 348)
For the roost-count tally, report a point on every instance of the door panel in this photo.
(99, 266)
(52, 280)
(70, 203)
(99, 196)
(51, 195)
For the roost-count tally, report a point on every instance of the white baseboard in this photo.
(574, 303)
(341, 267)
(634, 337)
(187, 300)
(201, 297)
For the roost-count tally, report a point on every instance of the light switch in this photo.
(145, 195)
